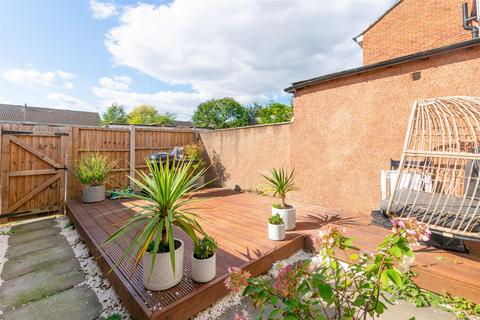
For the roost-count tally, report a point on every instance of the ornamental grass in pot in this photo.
(276, 228)
(204, 260)
(279, 183)
(165, 191)
(91, 172)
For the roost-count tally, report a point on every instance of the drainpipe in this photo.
(466, 20)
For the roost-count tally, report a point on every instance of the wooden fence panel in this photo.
(34, 159)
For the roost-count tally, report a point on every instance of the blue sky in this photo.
(85, 55)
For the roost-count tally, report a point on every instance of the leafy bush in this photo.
(115, 114)
(220, 113)
(275, 112)
(326, 288)
(93, 169)
(280, 183)
(205, 248)
(146, 114)
(275, 219)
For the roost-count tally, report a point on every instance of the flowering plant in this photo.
(327, 288)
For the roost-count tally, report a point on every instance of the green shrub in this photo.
(205, 248)
(93, 169)
(275, 219)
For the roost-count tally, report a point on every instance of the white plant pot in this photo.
(93, 194)
(288, 216)
(204, 270)
(162, 276)
(276, 232)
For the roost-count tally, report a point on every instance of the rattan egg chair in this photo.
(439, 173)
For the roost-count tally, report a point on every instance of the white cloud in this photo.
(180, 103)
(241, 48)
(116, 83)
(30, 76)
(103, 10)
(64, 101)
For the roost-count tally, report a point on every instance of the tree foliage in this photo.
(220, 113)
(115, 114)
(275, 112)
(147, 114)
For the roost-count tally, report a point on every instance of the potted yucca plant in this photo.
(280, 182)
(91, 171)
(193, 152)
(164, 191)
(204, 264)
(276, 228)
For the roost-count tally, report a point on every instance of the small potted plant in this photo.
(280, 183)
(164, 192)
(194, 152)
(204, 258)
(91, 172)
(276, 228)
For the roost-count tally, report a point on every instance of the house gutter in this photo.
(384, 64)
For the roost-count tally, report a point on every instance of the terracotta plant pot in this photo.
(276, 232)
(288, 215)
(204, 270)
(162, 276)
(93, 194)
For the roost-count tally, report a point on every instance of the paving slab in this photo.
(32, 226)
(36, 261)
(32, 236)
(40, 284)
(24, 248)
(78, 303)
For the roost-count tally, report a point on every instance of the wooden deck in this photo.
(239, 228)
(238, 222)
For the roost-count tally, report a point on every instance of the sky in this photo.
(86, 55)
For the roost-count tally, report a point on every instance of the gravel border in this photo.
(94, 278)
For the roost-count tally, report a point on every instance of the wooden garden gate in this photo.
(33, 165)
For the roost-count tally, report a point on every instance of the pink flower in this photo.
(412, 229)
(243, 316)
(329, 239)
(237, 280)
(286, 281)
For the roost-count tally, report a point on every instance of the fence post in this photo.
(132, 154)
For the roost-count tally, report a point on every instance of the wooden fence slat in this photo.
(37, 153)
(32, 193)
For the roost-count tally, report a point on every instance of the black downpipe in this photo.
(466, 19)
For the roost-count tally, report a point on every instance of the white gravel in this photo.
(93, 275)
(4, 234)
(232, 300)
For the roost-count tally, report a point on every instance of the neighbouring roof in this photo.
(377, 20)
(383, 64)
(10, 113)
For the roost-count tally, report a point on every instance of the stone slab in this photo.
(78, 303)
(36, 261)
(40, 284)
(24, 248)
(32, 235)
(32, 226)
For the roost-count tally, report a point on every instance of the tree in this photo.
(146, 114)
(220, 113)
(275, 112)
(253, 111)
(115, 114)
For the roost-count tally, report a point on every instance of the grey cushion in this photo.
(442, 209)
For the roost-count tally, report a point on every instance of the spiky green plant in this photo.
(164, 189)
(93, 169)
(280, 182)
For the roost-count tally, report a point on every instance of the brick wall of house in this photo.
(414, 26)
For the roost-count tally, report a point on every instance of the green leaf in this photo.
(396, 251)
(325, 291)
(354, 257)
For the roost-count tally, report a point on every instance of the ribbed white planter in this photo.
(162, 276)
(204, 270)
(93, 194)
(276, 232)
(288, 216)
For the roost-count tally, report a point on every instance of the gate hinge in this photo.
(61, 134)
